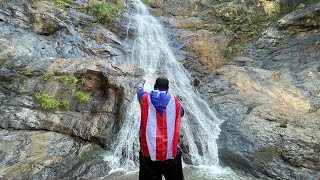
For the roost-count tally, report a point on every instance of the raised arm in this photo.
(140, 91)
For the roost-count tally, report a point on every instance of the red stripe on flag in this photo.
(144, 118)
(176, 128)
(162, 137)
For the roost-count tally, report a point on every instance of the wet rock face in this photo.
(273, 120)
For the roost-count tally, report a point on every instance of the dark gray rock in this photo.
(307, 18)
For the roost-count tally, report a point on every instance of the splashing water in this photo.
(200, 127)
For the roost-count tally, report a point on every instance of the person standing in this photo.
(161, 115)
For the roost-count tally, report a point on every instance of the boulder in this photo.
(44, 154)
(276, 142)
(45, 22)
(307, 18)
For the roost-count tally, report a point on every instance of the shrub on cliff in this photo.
(104, 11)
(241, 20)
(63, 3)
(81, 97)
(47, 102)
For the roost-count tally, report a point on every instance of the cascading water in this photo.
(151, 51)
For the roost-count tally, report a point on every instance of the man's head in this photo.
(162, 83)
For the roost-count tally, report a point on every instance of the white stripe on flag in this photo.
(171, 116)
(151, 131)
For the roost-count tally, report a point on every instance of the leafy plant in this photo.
(63, 4)
(81, 97)
(47, 76)
(65, 105)
(47, 102)
(68, 80)
(104, 11)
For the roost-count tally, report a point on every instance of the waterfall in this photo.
(151, 51)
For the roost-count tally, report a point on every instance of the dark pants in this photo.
(153, 170)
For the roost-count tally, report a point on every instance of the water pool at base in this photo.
(193, 173)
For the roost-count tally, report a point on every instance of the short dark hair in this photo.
(162, 83)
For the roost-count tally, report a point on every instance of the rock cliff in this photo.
(64, 91)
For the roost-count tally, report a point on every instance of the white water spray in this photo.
(151, 52)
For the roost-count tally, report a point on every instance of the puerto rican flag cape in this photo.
(160, 133)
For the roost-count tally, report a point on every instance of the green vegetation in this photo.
(47, 102)
(24, 86)
(81, 97)
(28, 72)
(68, 80)
(242, 21)
(146, 2)
(47, 76)
(63, 4)
(104, 11)
(64, 79)
(65, 105)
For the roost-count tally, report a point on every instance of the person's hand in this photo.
(143, 80)
(141, 83)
